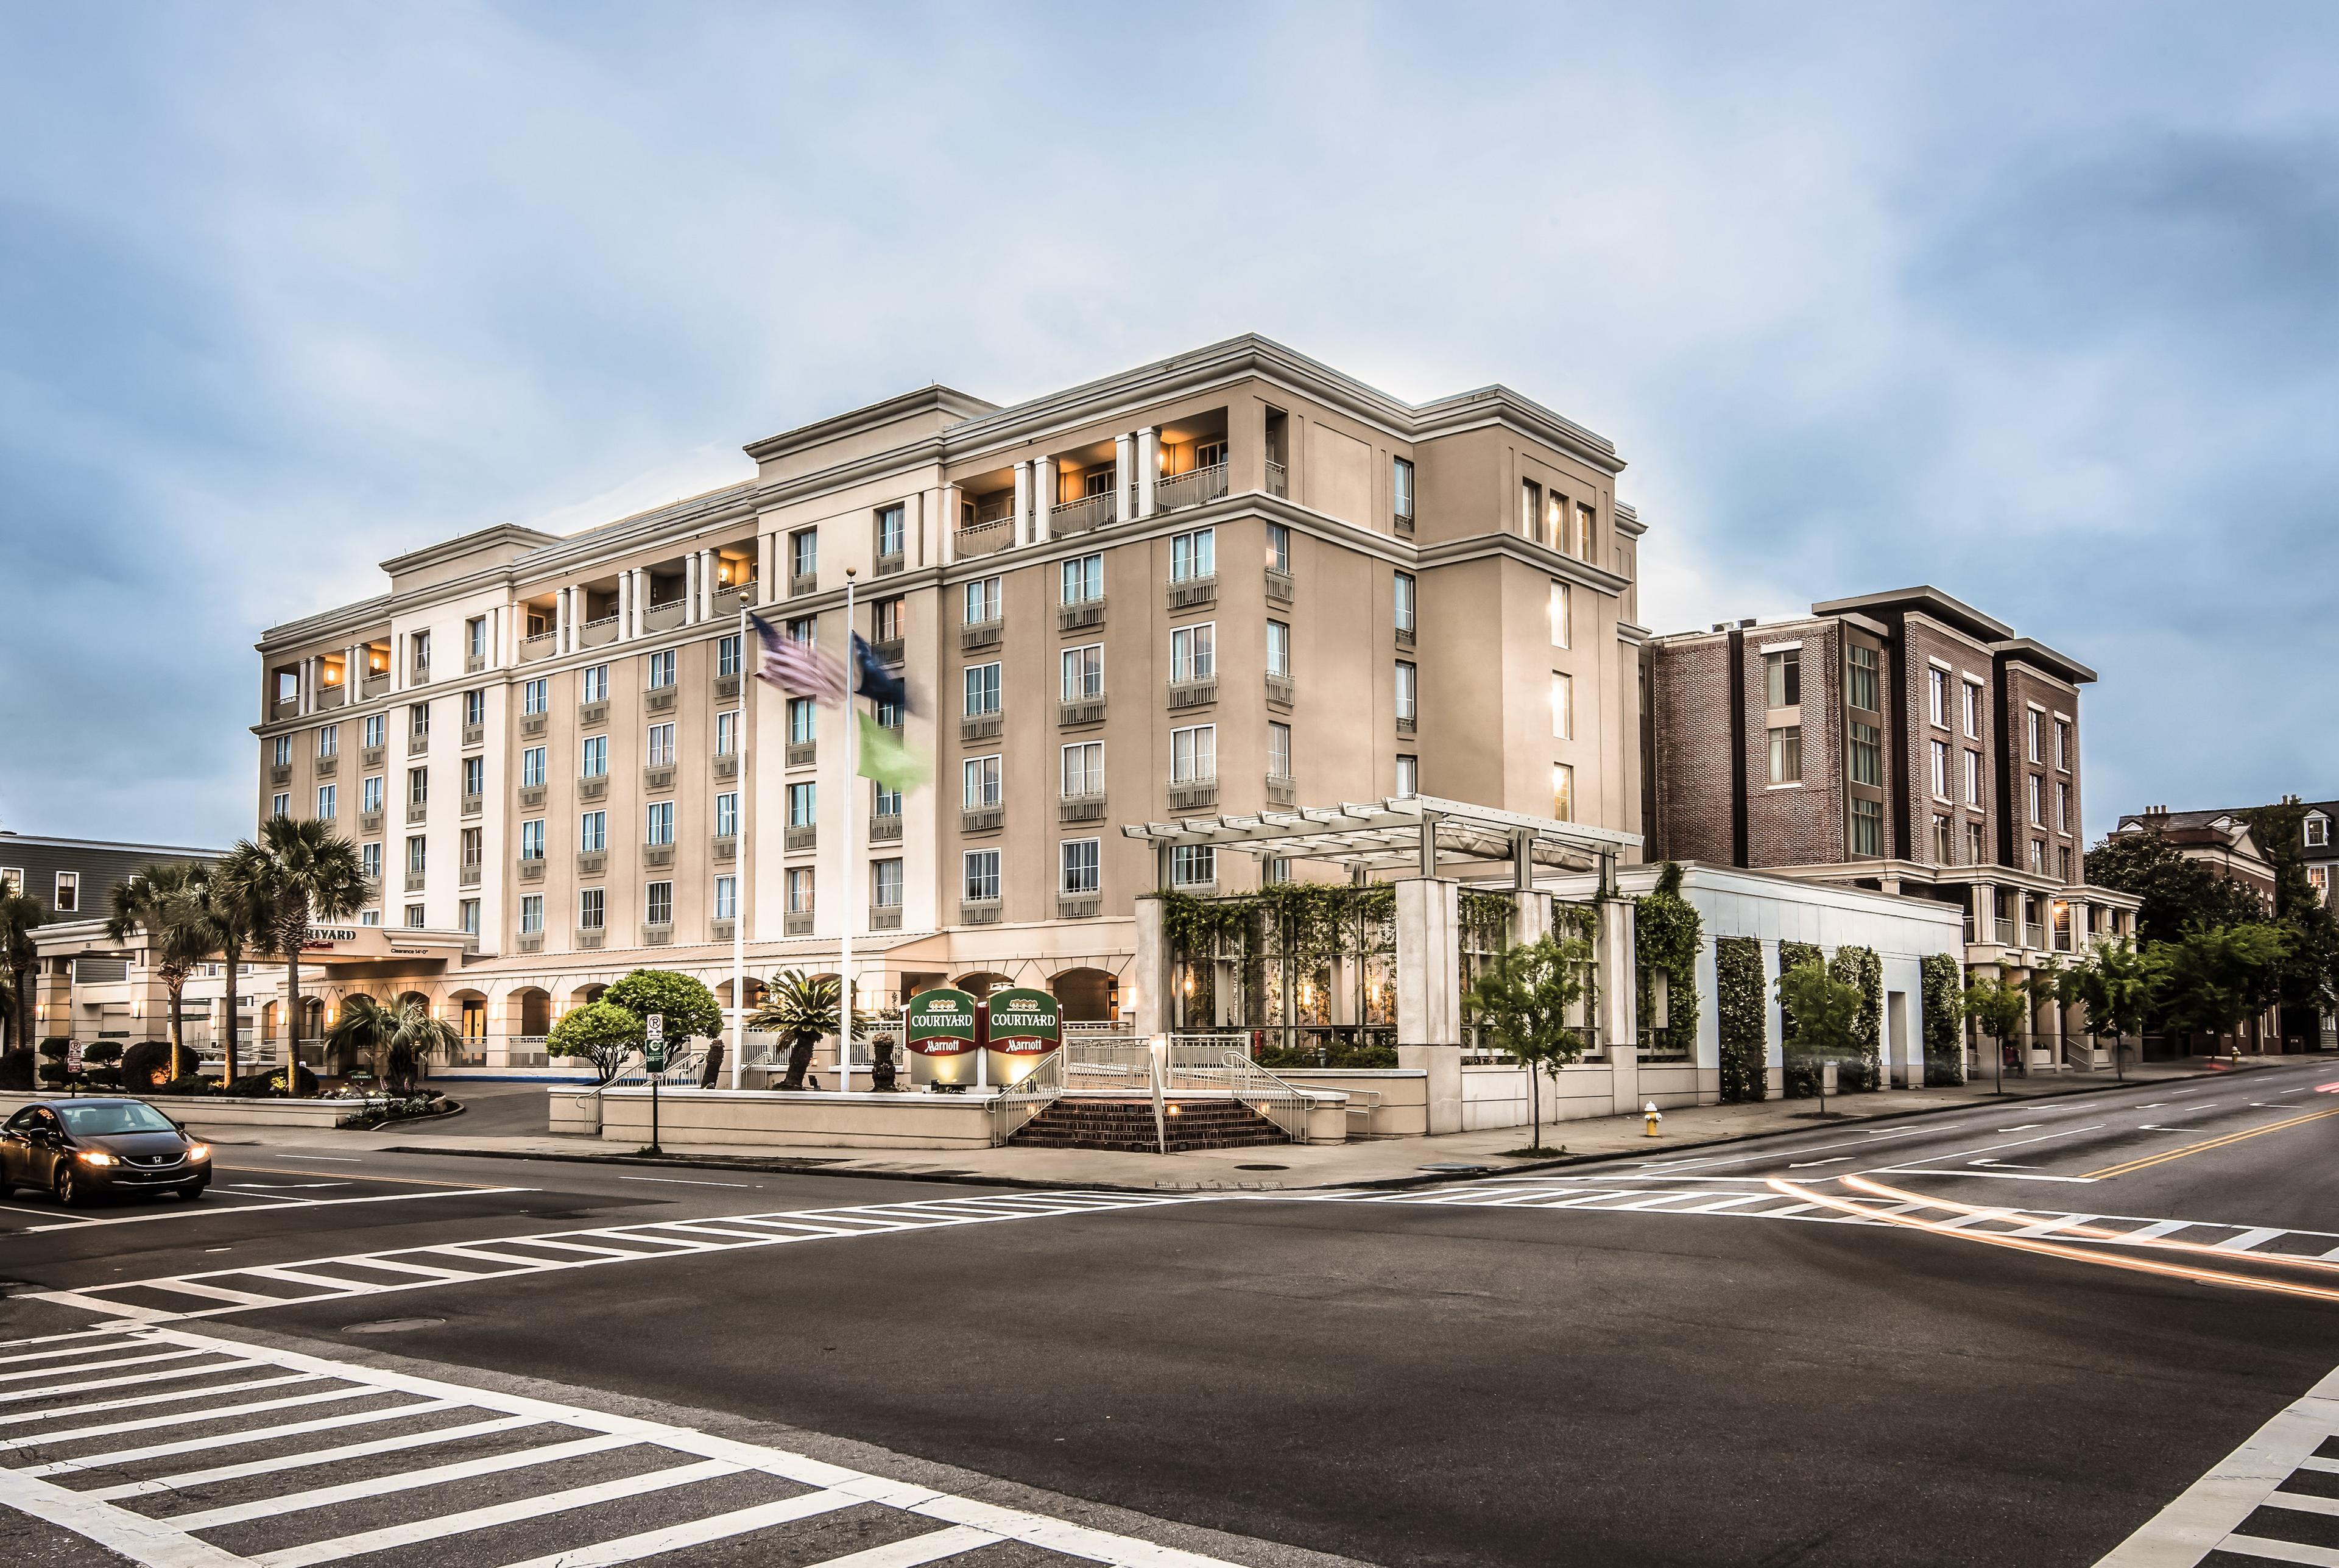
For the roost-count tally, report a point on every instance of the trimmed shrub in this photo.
(53, 1074)
(1330, 1054)
(1861, 967)
(1945, 1012)
(186, 1083)
(1802, 1078)
(53, 1049)
(1743, 1018)
(16, 1069)
(1667, 935)
(147, 1065)
(260, 1085)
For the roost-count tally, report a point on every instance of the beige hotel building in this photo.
(1230, 581)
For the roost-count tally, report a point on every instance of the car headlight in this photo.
(95, 1157)
(198, 1152)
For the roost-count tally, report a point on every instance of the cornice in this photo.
(465, 544)
(933, 397)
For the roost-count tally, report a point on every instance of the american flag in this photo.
(798, 668)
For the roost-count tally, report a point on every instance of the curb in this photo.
(820, 1166)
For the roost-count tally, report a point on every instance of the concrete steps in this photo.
(1126, 1125)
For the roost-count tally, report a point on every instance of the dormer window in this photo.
(2318, 830)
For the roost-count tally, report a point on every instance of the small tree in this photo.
(2210, 980)
(686, 1005)
(601, 1032)
(19, 913)
(1522, 1000)
(1827, 1019)
(363, 1029)
(1999, 1008)
(804, 1010)
(2115, 986)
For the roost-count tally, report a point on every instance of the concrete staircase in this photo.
(1126, 1125)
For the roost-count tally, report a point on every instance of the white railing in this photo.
(1267, 1095)
(1190, 488)
(1089, 512)
(1012, 1108)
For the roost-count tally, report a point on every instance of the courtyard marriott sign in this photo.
(940, 1027)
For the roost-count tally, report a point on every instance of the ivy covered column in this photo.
(1429, 991)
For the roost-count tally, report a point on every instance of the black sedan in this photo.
(76, 1148)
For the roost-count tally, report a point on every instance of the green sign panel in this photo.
(939, 1022)
(1024, 1021)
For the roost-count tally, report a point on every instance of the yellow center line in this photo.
(2207, 1144)
(408, 1180)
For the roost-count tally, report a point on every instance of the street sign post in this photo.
(72, 1064)
(654, 1058)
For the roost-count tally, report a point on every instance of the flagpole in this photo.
(739, 874)
(852, 794)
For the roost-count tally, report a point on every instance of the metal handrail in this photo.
(1269, 1095)
(1014, 1106)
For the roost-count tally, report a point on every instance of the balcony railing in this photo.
(1078, 906)
(726, 765)
(657, 934)
(528, 941)
(985, 538)
(1197, 691)
(538, 647)
(884, 917)
(889, 564)
(1083, 515)
(372, 756)
(803, 753)
(2005, 930)
(414, 881)
(592, 787)
(533, 725)
(531, 797)
(665, 618)
(800, 584)
(1278, 479)
(475, 735)
(373, 687)
(802, 838)
(1081, 711)
(1408, 724)
(416, 745)
(797, 922)
(982, 818)
(974, 634)
(592, 861)
(531, 870)
(598, 634)
(474, 663)
(279, 774)
(589, 937)
(415, 811)
(890, 649)
(1193, 795)
(473, 804)
(657, 854)
(885, 827)
(981, 726)
(1193, 489)
(1404, 522)
(730, 601)
(658, 699)
(332, 697)
(721, 930)
(593, 712)
(1074, 618)
(1192, 593)
(368, 823)
(1282, 789)
(978, 911)
(658, 776)
(1086, 806)
(468, 876)
(1281, 690)
(1405, 637)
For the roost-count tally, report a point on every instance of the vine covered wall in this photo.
(1945, 1007)
(1667, 935)
(1860, 966)
(1742, 1016)
(1802, 1077)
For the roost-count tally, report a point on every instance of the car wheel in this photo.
(191, 1191)
(69, 1189)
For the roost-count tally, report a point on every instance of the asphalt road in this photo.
(1986, 1338)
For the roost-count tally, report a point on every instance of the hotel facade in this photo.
(1231, 581)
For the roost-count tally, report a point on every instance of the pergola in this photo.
(1409, 836)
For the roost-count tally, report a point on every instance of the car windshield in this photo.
(122, 1116)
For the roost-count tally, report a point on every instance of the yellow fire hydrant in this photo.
(1654, 1115)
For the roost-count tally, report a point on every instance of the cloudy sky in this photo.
(2034, 303)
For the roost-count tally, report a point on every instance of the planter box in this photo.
(208, 1111)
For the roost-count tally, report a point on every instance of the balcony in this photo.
(473, 804)
(730, 601)
(1408, 724)
(799, 839)
(982, 818)
(659, 699)
(1405, 637)
(981, 726)
(414, 881)
(419, 675)
(659, 777)
(279, 774)
(327, 765)
(727, 688)
(985, 538)
(1079, 617)
(372, 756)
(798, 924)
(369, 824)
(1195, 487)
(531, 797)
(531, 870)
(978, 911)
(591, 937)
(373, 687)
(416, 745)
(658, 855)
(1194, 692)
(1088, 806)
(1078, 906)
(1282, 790)
(665, 616)
(474, 663)
(528, 941)
(1081, 711)
(1192, 593)
(1278, 479)
(976, 635)
(533, 725)
(2005, 930)
(593, 712)
(468, 876)
(1193, 795)
(475, 735)
(592, 787)
(1281, 589)
(721, 930)
(889, 566)
(415, 811)
(885, 828)
(657, 935)
(889, 649)
(1281, 691)
(803, 753)
(592, 861)
(1083, 515)
(884, 917)
(284, 709)
(800, 584)
(598, 634)
(331, 697)
(1404, 521)
(538, 647)
(726, 765)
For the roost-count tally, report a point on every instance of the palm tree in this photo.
(396, 1039)
(299, 871)
(19, 913)
(804, 1010)
(159, 901)
(364, 1028)
(236, 917)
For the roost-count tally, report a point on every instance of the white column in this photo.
(1150, 972)
(1124, 474)
(1043, 497)
(947, 524)
(913, 526)
(564, 612)
(690, 589)
(1148, 468)
(353, 672)
(398, 661)
(1429, 991)
(1023, 503)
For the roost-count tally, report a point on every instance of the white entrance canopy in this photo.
(1415, 835)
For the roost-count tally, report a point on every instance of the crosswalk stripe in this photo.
(72, 1350)
(256, 1434)
(213, 1292)
(2280, 1551)
(98, 1366)
(131, 1401)
(311, 1458)
(917, 1549)
(2246, 1240)
(140, 1539)
(720, 1527)
(126, 1381)
(301, 1276)
(402, 1481)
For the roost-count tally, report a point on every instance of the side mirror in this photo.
(179, 1125)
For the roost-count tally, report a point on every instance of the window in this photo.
(1193, 866)
(325, 798)
(885, 884)
(1193, 652)
(1080, 865)
(467, 915)
(1860, 679)
(590, 909)
(1783, 678)
(593, 832)
(328, 741)
(469, 847)
(801, 889)
(982, 600)
(1973, 779)
(2037, 734)
(1278, 548)
(1276, 872)
(1868, 827)
(369, 859)
(1083, 673)
(2318, 830)
(475, 707)
(414, 917)
(594, 682)
(2063, 864)
(1194, 755)
(661, 746)
(280, 751)
(279, 805)
(1973, 710)
(418, 786)
(1787, 755)
(1530, 510)
(375, 727)
(417, 854)
(474, 775)
(475, 636)
(804, 553)
(891, 535)
(981, 682)
(804, 629)
(658, 903)
(1209, 454)
(885, 619)
(727, 735)
(1562, 614)
(68, 900)
(888, 713)
(981, 875)
(1193, 555)
(1279, 750)
(727, 898)
(1555, 524)
(531, 914)
(2062, 806)
(2063, 746)
(2038, 854)
(1563, 707)
(727, 655)
(883, 801)
(370, 799)
(2318, 877)
(369, 917)
(1408, 776)
(981, 781)
(1942, 844)
(1084, 579)
(595, 761)
(1587, 532)
(658, 822)
(1279, 648)
(726, 814)
(1401, 593)
(534, 696)
(288, 685)
(661, 669)
(1401, 488)
(1096, 482)
(421, 643)
(1408, 693)
(1083, 768)
(1563, 791)
(2038, 801)
(1975, 852)
(531, 768)
(1867, 754)
(803, 804)
(1941, 771)
(1937, 694)
(531, 839)
(418, 721)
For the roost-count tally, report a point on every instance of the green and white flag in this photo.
(892, 761)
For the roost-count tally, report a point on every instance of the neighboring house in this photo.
(76, 876)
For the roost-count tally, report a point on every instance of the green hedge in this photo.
(1667, 935)
(1331, 1054)
(1743, 1017)
(1860, 966)
(1945, 1012)
(1802, 1077)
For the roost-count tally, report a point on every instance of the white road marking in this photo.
(403, 1481)
(132, 1402)
(1985, 1148)
(309, 1457)
(326, 1158)
(1837, 1159)
(235, 1439)
(1993, 1175)
(680, 1181)
(196, 1211)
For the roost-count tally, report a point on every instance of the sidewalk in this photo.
(1381, 1162)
